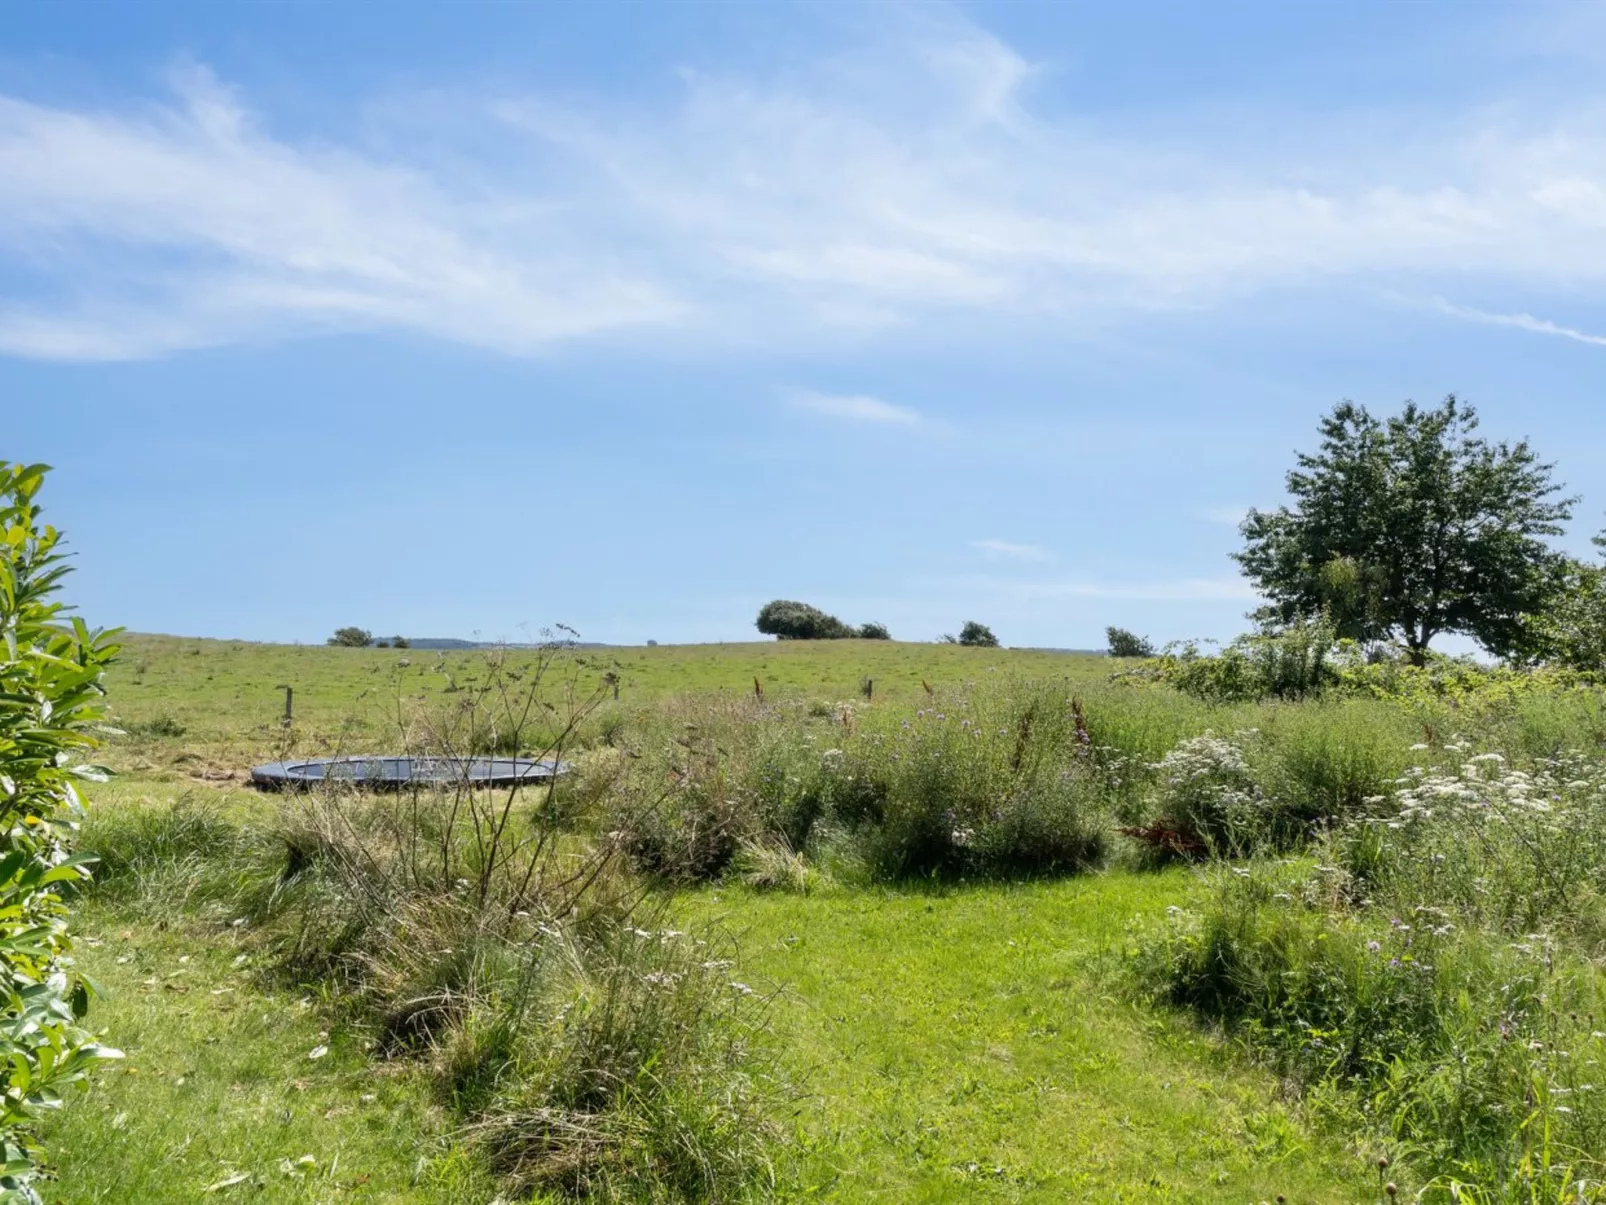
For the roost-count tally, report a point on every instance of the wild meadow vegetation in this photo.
(1318, 916)
(1093, 933)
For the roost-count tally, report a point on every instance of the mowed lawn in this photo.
(975, 1044)
(968, 1043)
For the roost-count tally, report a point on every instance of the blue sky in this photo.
(472, 318)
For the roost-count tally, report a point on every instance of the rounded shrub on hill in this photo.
(786, 619)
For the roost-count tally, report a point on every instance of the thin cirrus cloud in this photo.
(901, 177)
(858, 408)
(1166, 590)
(1015, 552)
(1524, 322)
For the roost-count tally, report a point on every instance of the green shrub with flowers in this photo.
(1479, 1059)
(50, 710)
(1434, 974)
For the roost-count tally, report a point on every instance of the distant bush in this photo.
(788, 620)
(1296, 662)
(977, 635)
(874, 631)
(1127, 644)
(400, 642)
(351, 638)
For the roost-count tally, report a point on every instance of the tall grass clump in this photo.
(590, 1051)
(1299, 661)
(1326, 761)
(51, 710)
(992, 782)
(184, 855)
(620, 1070)
(995, 782)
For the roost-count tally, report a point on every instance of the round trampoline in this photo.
(393, 773)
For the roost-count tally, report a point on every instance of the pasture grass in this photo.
(194, 705)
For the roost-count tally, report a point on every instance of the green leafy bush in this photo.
(789, 620)
(1293, 663)
(1476, 1056)
(977, 635)
(1123, 643)
(50, 708)
(351, 638)
(874, 631)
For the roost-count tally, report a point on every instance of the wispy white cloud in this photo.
(1018, 552)
(859, 408)
(1164, 590)
(183, 225)
(907, 175)
(1525, 322)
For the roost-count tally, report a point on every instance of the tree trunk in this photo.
(1416, 647)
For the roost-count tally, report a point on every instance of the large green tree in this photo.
(1570, 631)
(1410, 527)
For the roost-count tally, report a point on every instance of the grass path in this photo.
(957, 1046)
(973, 1046)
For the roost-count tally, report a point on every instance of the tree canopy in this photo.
(1408, 528)
(789, 620)
(352, 638)
(1127, 644)
(978, 635)
(1571, 629)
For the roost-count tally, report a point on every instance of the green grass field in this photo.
(941, 1043)
(227, 697)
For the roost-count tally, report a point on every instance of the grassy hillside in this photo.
(228, 687)
(221, 702)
